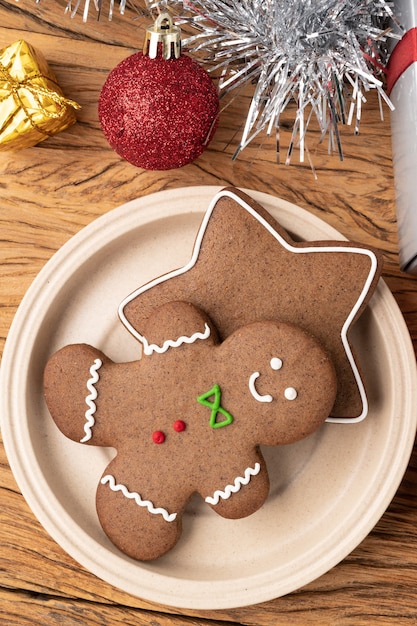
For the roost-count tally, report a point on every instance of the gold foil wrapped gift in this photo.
(32, 105)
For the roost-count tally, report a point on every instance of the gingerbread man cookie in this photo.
(245, 267)
(188, 417)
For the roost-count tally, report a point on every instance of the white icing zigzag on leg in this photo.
(133, 495)
(238, 483)
(90, 400)
(148, 348)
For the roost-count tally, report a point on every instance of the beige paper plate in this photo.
(327, 491)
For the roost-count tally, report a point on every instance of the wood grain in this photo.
(51, 191)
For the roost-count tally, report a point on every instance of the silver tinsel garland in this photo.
(73, 7)
(324, 55)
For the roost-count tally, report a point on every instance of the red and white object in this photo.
(402, 90)
(159, 109)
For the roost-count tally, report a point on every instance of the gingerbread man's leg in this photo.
(244, 494)
(135, 524)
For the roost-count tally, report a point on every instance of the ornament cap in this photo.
(166, 33)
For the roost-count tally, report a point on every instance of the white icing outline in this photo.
(266, 397)
(305, 250)
(148, 348)
(133, 495)
(237, 484)
(90, 400)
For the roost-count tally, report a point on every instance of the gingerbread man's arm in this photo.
(176, 324)
(72, 380)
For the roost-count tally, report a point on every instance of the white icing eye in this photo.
(276, 363)
(290, 393)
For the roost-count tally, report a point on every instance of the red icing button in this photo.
(158, 436)
(179, 426)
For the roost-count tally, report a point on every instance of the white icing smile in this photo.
(260, 398)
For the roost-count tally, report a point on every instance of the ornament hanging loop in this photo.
(165, 34)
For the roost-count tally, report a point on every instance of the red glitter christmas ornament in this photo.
(158, 109)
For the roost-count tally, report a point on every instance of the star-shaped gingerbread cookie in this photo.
(245, 267)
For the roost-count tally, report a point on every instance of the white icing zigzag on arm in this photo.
(90, 400)
(238, 483)
(148, 348)
(133, 495)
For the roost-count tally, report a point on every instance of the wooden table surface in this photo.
(51, 191)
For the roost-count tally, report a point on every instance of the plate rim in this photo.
(153, 592)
